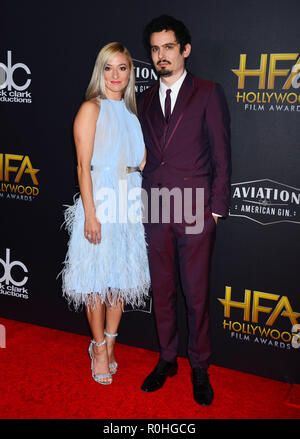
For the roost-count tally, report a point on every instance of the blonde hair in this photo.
(97, 84)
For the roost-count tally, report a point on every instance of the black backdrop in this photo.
(256, 257)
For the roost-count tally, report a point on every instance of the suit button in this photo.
(163, 163)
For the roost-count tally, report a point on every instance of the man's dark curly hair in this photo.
(166, 22)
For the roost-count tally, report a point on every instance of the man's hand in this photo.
(215, 218)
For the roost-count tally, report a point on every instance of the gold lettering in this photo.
(283, 308)
(234, 326)
(256, 308)
(26, 167)
(228, 303)
(289, 338)
(261, 72)
(294, 72)
(254, 329)
(240, 95)
(289, 98)
(283, 303)
(280, 97)
(248, 97)
(263, 331)
(277, 334)
(9, 168)
(227, 324)
(274, 57)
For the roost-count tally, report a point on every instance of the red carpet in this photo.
(45, 374)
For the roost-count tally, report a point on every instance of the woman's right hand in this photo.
(92, 229)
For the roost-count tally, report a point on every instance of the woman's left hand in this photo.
(92, 229)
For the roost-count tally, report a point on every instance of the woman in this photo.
(106, 264)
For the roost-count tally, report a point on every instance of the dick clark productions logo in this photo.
(13, 85)
(12, 283)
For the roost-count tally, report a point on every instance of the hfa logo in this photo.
(15, 90)
(270, 76)
(10, 284)
(13, 169)
(252, 328)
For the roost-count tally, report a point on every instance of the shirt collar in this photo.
(174, 87)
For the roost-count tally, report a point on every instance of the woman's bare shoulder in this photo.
(89, 109)
(92, 105)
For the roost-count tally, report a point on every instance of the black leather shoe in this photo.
(158, 376)
(203, 392)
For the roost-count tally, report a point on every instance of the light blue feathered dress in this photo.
(117, 268)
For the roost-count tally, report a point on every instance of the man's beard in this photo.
(164, 71)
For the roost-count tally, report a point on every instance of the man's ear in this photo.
(187, 50)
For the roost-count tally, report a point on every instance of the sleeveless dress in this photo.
(117, 268)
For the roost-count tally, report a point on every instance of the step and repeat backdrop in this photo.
(47, 54)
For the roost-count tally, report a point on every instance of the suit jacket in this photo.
(193, 150)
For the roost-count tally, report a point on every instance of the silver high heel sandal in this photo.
(113, 367)
(98, 378)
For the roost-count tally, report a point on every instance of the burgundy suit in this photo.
(192, 150)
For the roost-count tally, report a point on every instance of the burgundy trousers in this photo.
(193, 262)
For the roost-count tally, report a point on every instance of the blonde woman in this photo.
(106, 264)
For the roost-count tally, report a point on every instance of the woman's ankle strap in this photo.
(98, 344)
(110, 335)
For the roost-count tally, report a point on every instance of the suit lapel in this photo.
(154, 114)
(185, 94)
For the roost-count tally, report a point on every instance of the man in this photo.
(186, 127)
